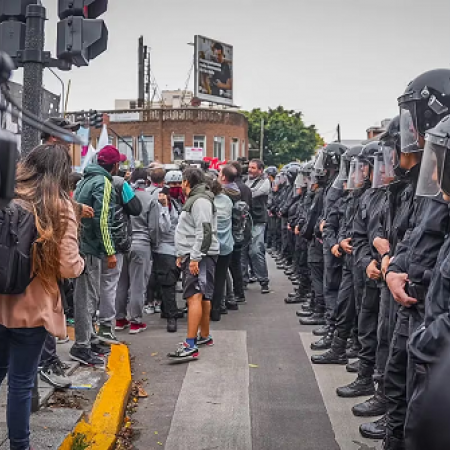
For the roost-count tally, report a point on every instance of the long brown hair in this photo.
(43, 183)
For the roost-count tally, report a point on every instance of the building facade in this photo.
(167, 134)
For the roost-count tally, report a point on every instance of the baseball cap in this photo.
(110, 155)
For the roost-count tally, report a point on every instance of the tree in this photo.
(286, 137)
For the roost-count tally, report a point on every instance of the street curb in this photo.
(105, 420)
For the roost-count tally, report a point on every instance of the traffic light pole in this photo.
(33, 58)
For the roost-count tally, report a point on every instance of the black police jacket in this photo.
(416, 255)
(366, 226)
(428, 342)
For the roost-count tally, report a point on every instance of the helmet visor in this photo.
(319, 165)
(431, 171)
(341, 179)
(357, 174)
(409, 136)
(300, 181)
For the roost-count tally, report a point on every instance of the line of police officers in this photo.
(363, 233)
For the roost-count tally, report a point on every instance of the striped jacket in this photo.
(96, 190)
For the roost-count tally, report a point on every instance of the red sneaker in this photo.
(121, 324)
(136, 328)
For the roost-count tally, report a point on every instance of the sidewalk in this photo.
(52, 423)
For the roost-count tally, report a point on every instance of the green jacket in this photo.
(96, 190)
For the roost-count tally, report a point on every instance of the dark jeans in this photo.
(236, 273)
(20, 351)
(256, 255)
(223, 263)
(166, 276)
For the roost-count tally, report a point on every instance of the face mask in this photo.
(176, 192)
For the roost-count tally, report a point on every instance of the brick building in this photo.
(168, 132)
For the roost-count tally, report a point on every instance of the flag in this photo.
(88, 158)
(104, 139)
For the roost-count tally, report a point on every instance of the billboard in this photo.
(213, 71)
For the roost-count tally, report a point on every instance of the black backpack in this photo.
(17, 236)
(241, 223)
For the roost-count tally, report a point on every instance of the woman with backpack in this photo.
(43, 218)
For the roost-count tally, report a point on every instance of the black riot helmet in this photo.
(291, 173)
(425, 102)
(344, 169)
(435, 168)
(271, 171)
(362, 165)
(391, 147)
(368, 152)
(332, 155)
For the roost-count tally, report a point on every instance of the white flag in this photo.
(104, 139)
(89, 157)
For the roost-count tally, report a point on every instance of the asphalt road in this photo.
(254, 389)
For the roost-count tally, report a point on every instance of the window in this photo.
(200, 142)
(124, 148)
(147, 142)
(243, 149)
(111, 140)
(234, 154)
(178, 147)
(219, 147)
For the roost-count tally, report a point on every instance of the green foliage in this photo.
(286, 137)
(79, 442)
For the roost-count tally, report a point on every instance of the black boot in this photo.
(393, 443)
(374, 406)
(307, 307)
(324, 343)
(362, 386)
(302, 313)
(296, 293)
(297, 299)
(295, 282)
(321, 331)
(289, 272)
(315, 319)
(336, 354)
(353, 367)
(354, 349)
(374, 430)
(172, 325)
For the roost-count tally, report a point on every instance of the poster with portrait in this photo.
(213, 71)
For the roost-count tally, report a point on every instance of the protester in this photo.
(238, 250)
(197, 249)
(96, 242)
(127, 205)
(224, 208)
(260, 187)
(27, 319)
(164, 253)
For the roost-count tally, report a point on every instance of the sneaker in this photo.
(61, 364)
(122, 324)
(100, 349)
(54, 375)
(252, 280)
(62, 341)
(136, 328)
(240, 300)
(106, 334)
(86, 356)
(184, 351)
(208, 341)
(149, 309)
(157, 309)
(265, 289)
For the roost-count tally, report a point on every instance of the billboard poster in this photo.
(194, 154)
(213, 71)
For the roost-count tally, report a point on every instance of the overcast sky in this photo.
(342, 61)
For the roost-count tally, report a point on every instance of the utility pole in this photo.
(33, 67)
(141, 76)
(339, 132)
(261, 144)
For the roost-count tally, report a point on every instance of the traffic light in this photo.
(81, 36)
(99, 120)
(12, 25)
(80, 117)
(92, 118)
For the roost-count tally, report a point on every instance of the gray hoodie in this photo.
(196, 233)
(168, 221)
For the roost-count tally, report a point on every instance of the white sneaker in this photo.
(157, 309)
(149, 309)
